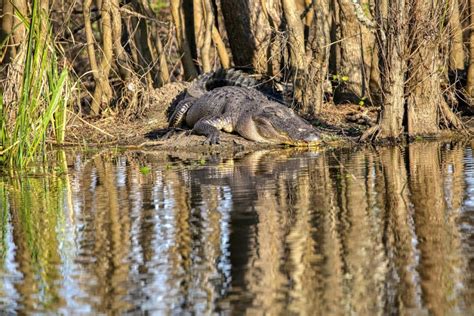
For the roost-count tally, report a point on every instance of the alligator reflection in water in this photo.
(339, 232)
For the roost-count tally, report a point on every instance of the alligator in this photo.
(232, 101)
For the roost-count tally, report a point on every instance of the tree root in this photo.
(370, 134)
(451, 119)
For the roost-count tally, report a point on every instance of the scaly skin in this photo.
(245, 111)
(207, 82)
(249, 113)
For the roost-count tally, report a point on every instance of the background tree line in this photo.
(411, 57)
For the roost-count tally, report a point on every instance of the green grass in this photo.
(158, 5)
(41, 106)
(3, 222)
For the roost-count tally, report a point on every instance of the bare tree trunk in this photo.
(208, 16)
(205, 32)
(424, 89)
(13, 30)
(392, 45)
(103, 92)
(411, 63)
(470, 71)
(198, 20)
(183, 44)
(161, 73)
(456, 53)
(317, 58)
(122, 58)
(356, 45)
(295, 30)
(220, 46)
(250, 32)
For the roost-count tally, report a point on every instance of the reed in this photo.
(40, 107)
(3, 222)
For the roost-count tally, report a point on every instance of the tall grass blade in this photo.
(40, 110)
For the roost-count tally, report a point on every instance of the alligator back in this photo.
(231, 77)
(220, 78)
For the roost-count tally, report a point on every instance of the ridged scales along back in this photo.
(205, 86)
(220, 78)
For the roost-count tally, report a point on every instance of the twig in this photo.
(93, 126)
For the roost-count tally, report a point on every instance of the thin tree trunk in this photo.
(122, 58)
(103, 91)
(146, 47)
(156, 48)
(207, 36)
(183, 44)
(456, 53)
(317, 58)
(296, 47)
(220, 46)
(470, 71)
(199, 29)
(12, 28)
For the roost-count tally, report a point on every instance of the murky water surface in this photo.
(372, 231)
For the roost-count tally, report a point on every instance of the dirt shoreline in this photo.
(146, 132)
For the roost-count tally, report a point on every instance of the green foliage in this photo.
(3, 221)
(362, 101)
(145, 170)
(340, 78)
(158, 5)
(42, 99)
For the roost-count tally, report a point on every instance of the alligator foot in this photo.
(205, 127)
(212, 139)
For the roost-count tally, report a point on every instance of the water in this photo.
(370, 231)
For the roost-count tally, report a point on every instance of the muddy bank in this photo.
(338, 125)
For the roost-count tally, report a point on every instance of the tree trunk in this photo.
(295, 30)
(250, 32)
(424, 89)
(392, 46)
(356, 44)
(161, 74)
(317, 58)
(203, 25)
(470, 71)
(456, 53)
(103, 91)
(13, 30)
(190, 70)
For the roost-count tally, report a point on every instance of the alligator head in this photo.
(281, 125)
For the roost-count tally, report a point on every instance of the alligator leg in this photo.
(211, 126)
(178, 115)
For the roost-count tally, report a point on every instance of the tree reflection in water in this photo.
(368, 231)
